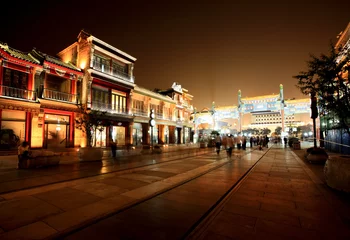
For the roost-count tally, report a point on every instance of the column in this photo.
(160, 134)
(145, 134)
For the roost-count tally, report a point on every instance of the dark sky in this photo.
(211, 48)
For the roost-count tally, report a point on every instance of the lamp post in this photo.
(152, 123)
(314, 114)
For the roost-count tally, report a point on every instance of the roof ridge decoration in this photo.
(18, 54)
(55, 60)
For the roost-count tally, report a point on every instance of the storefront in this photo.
(57, 131)
(137, 134)
(186, 135)
(118, 134)
(154, 135)
(166, 134)
(13, 128)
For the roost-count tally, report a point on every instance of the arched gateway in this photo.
(268, 111)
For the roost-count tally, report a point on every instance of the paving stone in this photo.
(250, 192)
(156, 173)
(243, 201)
(67, 198)
(292, 197)
(278, 180)
(272, 216)
(284, 230)
(19, 212)
(159, 203)
(204, 202)
(80, 215)
(209, 235)
(100, 189)
(148, 190)
(224, 225)
(37, 230)
(127, 184)
(264, 199)
(258, 186)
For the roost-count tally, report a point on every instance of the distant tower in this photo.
(240, 110)
(282, 106)
(213, 114)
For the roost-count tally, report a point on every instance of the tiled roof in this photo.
(18, 54)
(61, 63)
(54, 60)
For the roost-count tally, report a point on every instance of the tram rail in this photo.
(182, 154)
(196, 229)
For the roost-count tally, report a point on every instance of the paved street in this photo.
(173, 198)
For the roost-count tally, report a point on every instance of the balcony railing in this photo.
(18, 93)
(112, 71)
(60, 96)
(139, 112)
(108, 107)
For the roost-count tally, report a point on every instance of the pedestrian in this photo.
(114, 148)
(267, 140)
(23, 155)
(251, 142)
(285, 141)
(229, 146)
(218, 143)
(224, 142)
(244, 142)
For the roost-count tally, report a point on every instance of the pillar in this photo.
(145, 134)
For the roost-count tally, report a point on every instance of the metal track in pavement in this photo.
(173, 153)
(200, 226)
(192, 228)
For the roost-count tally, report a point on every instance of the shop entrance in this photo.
(56, 132)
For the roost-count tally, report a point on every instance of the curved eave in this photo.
(69, 70)
(16, 60)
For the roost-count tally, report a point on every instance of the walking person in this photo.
(251, 142)
(23, 155)
(229, 146)
(113, 148)
(224, 142)
(218, 143)
(285, 141)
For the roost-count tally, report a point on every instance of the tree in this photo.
(89, 122)
(278, 130)
(327, 76)
(265, 131)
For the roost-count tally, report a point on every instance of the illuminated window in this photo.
(119, 101)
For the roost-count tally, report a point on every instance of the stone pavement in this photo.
(47, 211)
(280, 199)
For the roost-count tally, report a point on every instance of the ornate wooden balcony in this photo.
(139, 112)
(107, 107)
(18, 93)
(112, 71)
(59, 96)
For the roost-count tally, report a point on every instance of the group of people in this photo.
(228, 142)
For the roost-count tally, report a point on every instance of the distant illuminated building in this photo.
(268, 111)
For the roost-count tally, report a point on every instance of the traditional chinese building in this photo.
(38, 99)
(143, 100)
(42, 97)
(182, 113)
(106, 87)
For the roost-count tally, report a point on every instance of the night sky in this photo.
(212, 49)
